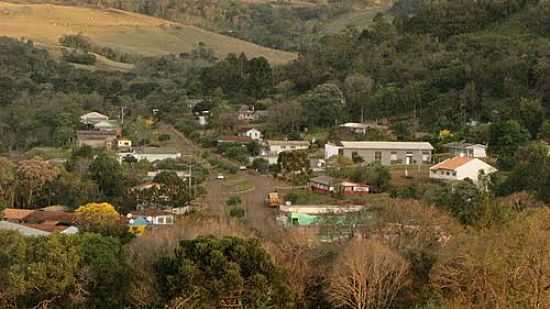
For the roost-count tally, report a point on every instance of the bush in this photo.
(236, 212)
(233, 201)
(405, 193)
(79, 57)
(260, 165)
(228, 167)
(164, 137)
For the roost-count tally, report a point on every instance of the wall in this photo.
(331, 150)
(442, 175)
(471, 170)
(369, 156)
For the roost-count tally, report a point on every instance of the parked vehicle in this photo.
(272, 199)
(220, 177)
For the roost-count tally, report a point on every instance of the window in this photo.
(160, 220)
(393, 156)
(378, 156)
(454, 173)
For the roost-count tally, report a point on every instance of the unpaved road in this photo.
(258, 216)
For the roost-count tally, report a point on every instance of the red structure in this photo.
(352, 188)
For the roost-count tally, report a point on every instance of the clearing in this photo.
(123, 31)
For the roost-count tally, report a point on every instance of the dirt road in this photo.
(257, 215)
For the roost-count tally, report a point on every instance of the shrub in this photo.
(164, 137)
(236, 212)
(79, 57)
(261, 165)
(233, 201)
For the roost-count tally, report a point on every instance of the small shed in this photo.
(352, 188)
(323, 184)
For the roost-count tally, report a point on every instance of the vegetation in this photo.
(437, 71)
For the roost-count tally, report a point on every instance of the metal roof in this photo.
(24, 230)
(296, 143)
(388, 145)
(323, 179)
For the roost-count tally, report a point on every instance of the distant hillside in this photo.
(120, 30)
(280, 24)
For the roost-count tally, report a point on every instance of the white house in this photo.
(107, 125)
(253, 133)
(460, 168)
(152, 216)
(466, 149)
(150, 154)
(93, 118)
(276, 147)
(355, 127)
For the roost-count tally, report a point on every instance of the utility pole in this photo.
(122, 115)
(190, 185)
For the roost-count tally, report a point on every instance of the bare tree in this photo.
(504, 267)
(367, 275)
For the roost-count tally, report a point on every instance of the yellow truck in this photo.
(272, 200)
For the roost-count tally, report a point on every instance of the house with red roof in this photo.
(461, 168)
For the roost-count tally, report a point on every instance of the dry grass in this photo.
(124, 31)
(415, 175)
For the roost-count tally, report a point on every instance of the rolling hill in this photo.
(127, 32)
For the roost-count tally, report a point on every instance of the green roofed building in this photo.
(302, 219)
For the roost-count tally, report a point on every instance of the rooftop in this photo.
(325, 180)
(95, 134)
(12, 214)
(463, 145)
(150, 212)
(452, 164)
(388, 145)
(354, 125)
(295, 143)
(232, 138)
(94, 115)
(24, 230)
(41, 216)
(107, 124)
(156, 150)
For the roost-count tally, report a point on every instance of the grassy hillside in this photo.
(359, 19)
(123, 31)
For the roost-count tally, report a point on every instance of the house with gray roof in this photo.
(22, 229)
(385, 153)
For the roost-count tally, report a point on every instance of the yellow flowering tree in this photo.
(97, 215)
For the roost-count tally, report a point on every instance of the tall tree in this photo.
(32, 175)
(106, 172)
(208, 270)
(324, 106)
(368, 275)
(505, 138)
